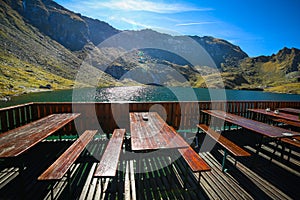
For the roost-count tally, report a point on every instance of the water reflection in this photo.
(146, 93)
(116, 94)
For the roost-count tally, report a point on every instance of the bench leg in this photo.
(275, 149)
(224, 161)
(196, 142)
(290, 152)
(282, 151)
(259, 145)
(261, 140)
(199, 178)
(185, 178)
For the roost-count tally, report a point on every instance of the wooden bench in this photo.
(228, 145)
(288, 122)
(292, 141)
(108, 164)
(62, 165)
(194, 161)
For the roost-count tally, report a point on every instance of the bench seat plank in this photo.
(109, 161)
(60, 167)
(224, 142)
(196, 163)
(294, 141)
(289, 122)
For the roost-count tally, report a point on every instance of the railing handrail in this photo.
(178, 114)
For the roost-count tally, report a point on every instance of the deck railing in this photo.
(108, 116)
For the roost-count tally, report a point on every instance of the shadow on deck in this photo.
(279, 179)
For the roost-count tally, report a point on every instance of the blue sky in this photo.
(259, 27)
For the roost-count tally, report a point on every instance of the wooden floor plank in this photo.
(279, 180)
(88, 190)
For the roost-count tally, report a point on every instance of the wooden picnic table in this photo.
(263, 129)
(281, 115)
(293, 111)
(150, 132)
(16, 141)
(255, 126)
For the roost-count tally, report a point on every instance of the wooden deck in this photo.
(278, 180)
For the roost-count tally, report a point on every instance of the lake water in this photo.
(148, 93)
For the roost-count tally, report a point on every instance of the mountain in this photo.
(42, 43)
(70, 29)
(29, 59)
(276, 73)
(75, 31)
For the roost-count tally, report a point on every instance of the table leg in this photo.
(224, 161)
(259, 145)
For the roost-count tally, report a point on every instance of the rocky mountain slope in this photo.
(279, 72)
(30, 59)
(43, 43)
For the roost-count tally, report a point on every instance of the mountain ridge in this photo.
(59, 40)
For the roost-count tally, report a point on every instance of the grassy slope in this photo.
(16, 79)
(29, 59)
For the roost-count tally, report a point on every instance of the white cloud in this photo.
(194, 23)
(134, 23)
(144, 5)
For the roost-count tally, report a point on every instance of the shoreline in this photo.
(9, 97)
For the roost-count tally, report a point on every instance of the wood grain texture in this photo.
(153, 133)
(109, 161)
(19, 140)
(290, 110)
(281, 115)
(60, 167)
(233, 148)
(255, 126)
(292, 141)
(292, 123)
(193, 159)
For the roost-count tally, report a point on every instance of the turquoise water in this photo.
(147, 93)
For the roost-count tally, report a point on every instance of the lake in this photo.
(147, 93)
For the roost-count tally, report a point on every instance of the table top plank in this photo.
(256, 126)
(16, 141)
(173, 140)
(153, 133)
(136, 132)
(281, 115)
